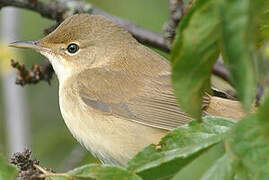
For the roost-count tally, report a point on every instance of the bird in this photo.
(115, 94)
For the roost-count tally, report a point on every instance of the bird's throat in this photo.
(62, 71)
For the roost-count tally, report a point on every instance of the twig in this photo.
(259, 94)
(222, 72)
(50, 174)
(176, 8)
(34, 75)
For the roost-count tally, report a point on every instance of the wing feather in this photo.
(147, 100)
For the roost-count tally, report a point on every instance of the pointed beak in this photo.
(28, 45)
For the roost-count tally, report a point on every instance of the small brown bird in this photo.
(115, 94)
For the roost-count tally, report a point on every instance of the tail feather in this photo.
(226, 108)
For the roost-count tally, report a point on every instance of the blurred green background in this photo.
(51, 142)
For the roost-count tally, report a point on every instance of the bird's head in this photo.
(81, 42)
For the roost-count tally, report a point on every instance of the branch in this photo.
(58, 11)
(37, 73)
(52, 10)
(176, 8)
(222, 72)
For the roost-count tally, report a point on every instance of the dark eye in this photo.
(72, 48)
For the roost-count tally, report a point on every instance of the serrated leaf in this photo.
(99, 172)
(7, 172)
(238, 23)
(194, 52)
(179, 148)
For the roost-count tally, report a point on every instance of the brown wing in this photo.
(141, 98)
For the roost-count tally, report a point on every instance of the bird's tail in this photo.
(226, 108)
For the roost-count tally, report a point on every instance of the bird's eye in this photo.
(72, 48)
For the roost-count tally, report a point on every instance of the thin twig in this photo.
(50, 174)
(36, 74)
(176, 8)
(40, 168)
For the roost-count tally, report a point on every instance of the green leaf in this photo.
(194, 52)
(213, 164)
(242, 155)
(262, 116)
(263, 31)
(241, 173)
(179, 148)
(99, 172)
(7, 172)
(250, 144)
(186, 2)
(238, 44)
(263, 65)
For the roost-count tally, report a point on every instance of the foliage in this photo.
(263, 24)
(208, 28)
(237, 30)
(213, 148)
(7, 172)
(193, 55)
(179, 148)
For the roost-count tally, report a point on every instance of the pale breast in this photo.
(112, 139)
